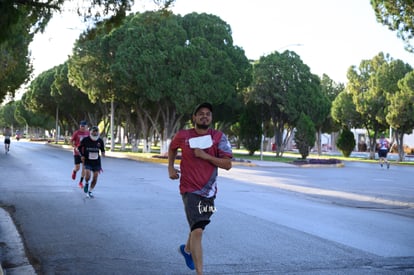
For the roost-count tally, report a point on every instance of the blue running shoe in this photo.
(86, 188)
(187, 257)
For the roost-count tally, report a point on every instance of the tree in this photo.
(166, 64)
(371, 86)
(369, 101)
(401, 110)
(386, 82)
(159, 66)
(21, 114)
(211, 67)
(251, 128)
(16, 65)
(38, 95)
(344, 111)
(73, 105)
(36, 14)
(346, 142)
(34, 119)
(320, 107)
(144, 73)
(7, 115)
(285, 87)
(89, 66)
(398, 16)
(89, 69)
(330, 90)
(304, 135)
(20, 20)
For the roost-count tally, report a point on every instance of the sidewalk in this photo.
(12, 254)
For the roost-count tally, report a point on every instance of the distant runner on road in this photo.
(77, 137)
(89, 150)
(7, 135)
(383, 148)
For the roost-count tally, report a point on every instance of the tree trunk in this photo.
(122, 137)
(372, 145)
(319, 141)
(400, 144)
(334, 136)
(278, 133)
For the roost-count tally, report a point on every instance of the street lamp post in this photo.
(57, 133)
(290, 45)
(261, 143)
(112, 126)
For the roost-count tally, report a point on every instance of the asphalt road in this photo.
(269, 220)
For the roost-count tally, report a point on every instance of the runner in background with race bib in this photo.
(89, 149)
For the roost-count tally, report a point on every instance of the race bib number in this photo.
(93, 155)
(202, 142)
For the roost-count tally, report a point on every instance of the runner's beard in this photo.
(202, 126)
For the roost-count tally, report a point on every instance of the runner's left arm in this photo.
(102, 148)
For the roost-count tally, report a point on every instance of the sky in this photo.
(329, 35)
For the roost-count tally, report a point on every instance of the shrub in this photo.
(251, 129)
(346, 142)
(304, 135)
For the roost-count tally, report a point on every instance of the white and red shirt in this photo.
(76, 139)
(383, 144)
(197, 175)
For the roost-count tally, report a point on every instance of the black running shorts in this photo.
(382, 153)
(77, 159)
(198, 210)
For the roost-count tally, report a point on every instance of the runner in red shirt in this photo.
(77, 136)
(203, 151)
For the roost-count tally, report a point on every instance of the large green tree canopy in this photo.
(368, 99)
(73, 105)
(343, 111)
(285, 87)
(330, 90)
(401, 110)
(372, 84)
(20, 20)
(398, 15)
(15, 64)
(161, 65)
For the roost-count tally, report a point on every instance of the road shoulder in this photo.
(12, 253)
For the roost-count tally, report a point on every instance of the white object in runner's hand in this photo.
(202, 142)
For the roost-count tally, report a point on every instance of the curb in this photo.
(147, 159)
(240, 162)
(13, 255)
(338, 165)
